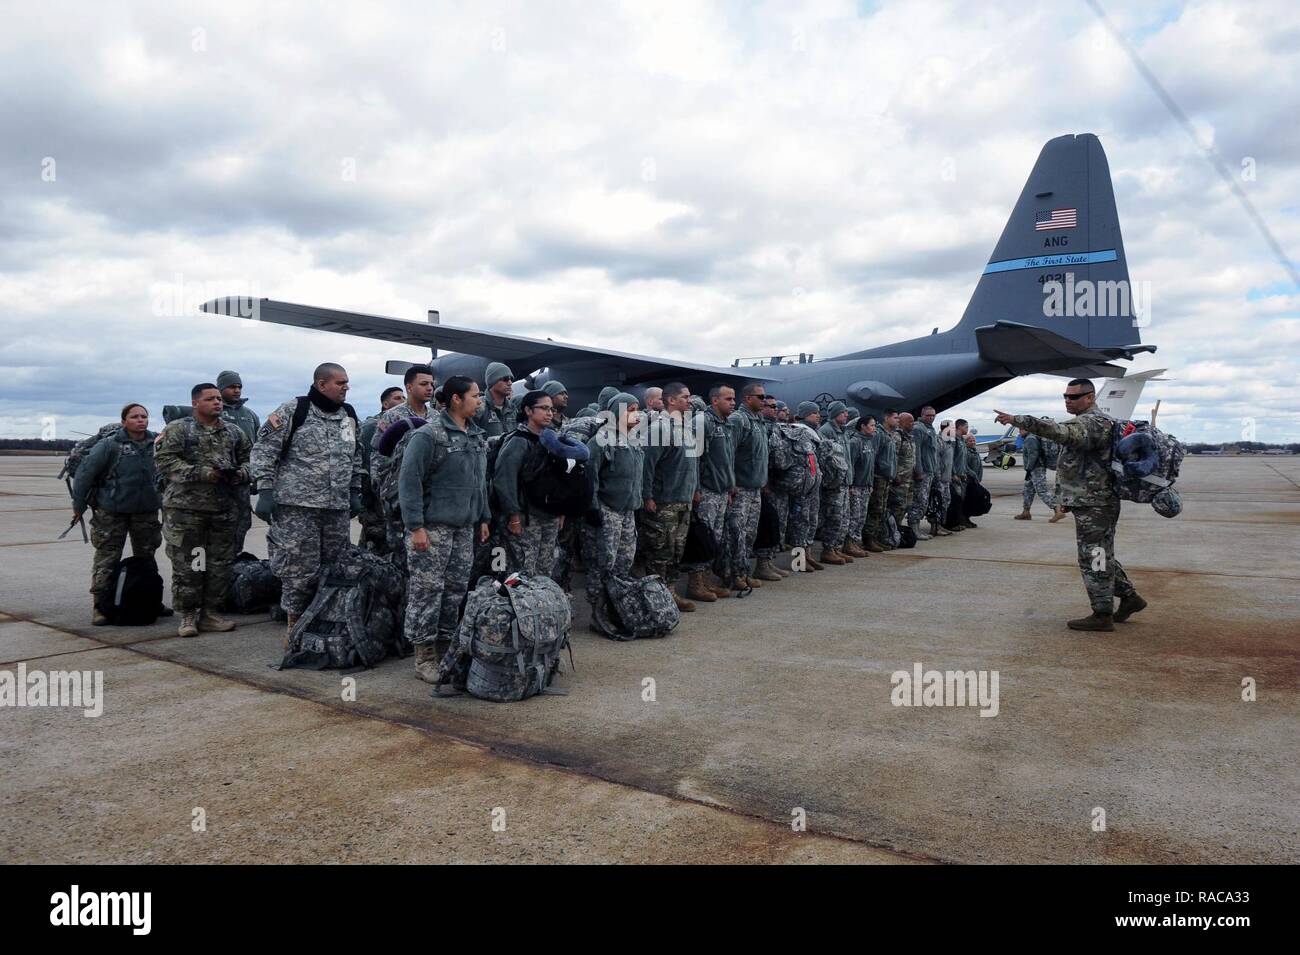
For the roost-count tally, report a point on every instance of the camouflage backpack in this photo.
(834, 463)
(1144, 460)
(582, 429)
(354, 619)
(82, 449)
(508, 644)
(636, 607)
(792, 459)
(253, 587)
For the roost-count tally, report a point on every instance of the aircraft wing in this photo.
(522, 354)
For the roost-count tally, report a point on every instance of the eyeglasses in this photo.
(1070, 397)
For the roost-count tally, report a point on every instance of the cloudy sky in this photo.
(700, 180)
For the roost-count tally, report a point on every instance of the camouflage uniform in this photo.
(712, 508)
(1085, 484)
(926, 441)
(200, 517)
(611, 548)
(833, 509)
(662, 537)
(1036, 473)
(380, 466)
(313, 483)
(886, 465)
(437, 580)
(671, 478)
(238, 413)
(750, 463)
(804, 512)
(943, 477)
(373, 532)
(717, 471)
(532, 552)
(900, 494)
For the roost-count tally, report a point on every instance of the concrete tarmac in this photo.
(768, 709)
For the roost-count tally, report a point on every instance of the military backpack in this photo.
(792, 459)
(355, 617)
(834, 464)
(81, 450)
(253, 587)
(1144, 460)
(507, 646)
(636, 607)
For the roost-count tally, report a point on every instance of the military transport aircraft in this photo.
(1064, 229)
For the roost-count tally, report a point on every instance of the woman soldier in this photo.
(614, 463)
(442, 490)
(119, 482)
(529, 534)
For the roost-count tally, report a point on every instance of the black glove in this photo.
(265, 506)
(355, 506)
(594, 518)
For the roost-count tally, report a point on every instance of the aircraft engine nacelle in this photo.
(873, 394)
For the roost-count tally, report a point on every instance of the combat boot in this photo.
(873, 547)
(766, 570)
(684, 605)
(719, 589)
(97, 617)
(426, 662)
(920, 534)
(1057, 515)
(938, 530)
(1128, 606)
(699, 590)
(189, 625)
(213, 623)
(1096, 621)
(831, 556)
(746, 583)
(810, 563)
(853, 549)
(1024, 516)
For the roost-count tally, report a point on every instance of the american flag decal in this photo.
(1056, 219)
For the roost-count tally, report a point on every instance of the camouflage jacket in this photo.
(185, 454)
(974, 463)
(943, 459)
(905, 454)
(380, 464)
(886, 454)
(863, 458)
(1033, 449)
(1083, 474)
(322, 465)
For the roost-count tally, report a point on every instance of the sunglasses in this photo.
(1082, 394)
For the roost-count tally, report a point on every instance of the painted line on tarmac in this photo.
(1075, 567)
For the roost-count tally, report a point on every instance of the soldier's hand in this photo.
(265, 506)
(214, 475)
(650, 505)
(515, 525)
(482, 533)
(420, 539)
(697, 498)
(1002, 417)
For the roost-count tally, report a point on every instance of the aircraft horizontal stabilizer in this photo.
(1029, 349)
(522, 355)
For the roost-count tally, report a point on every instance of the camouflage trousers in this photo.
(920, 500)
(395, 542)
(900, 499)
(712, 509)
(437, 580)
(877, 505)
(611, 548)
(662, 537)
(742, 528)
(245, 521)
(833, 517)
(945, 494)
(201, 546)
(568, 544)
(781, 504)
(108, 534)
(306, 538)
(532, 551)
(804, 512)
(1036, 481)
(1103, 575)
(858, 499)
